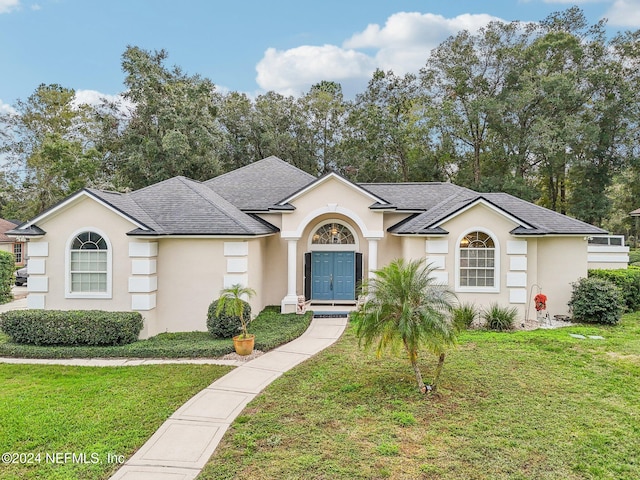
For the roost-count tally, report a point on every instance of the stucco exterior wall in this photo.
(390, 246)
(332, 196)
(273, 284)
(191, 273)
(190, 276)
(560, 261)
(49, 285)
(485, 219)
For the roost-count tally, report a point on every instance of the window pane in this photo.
(88, 263)
(333, 233)
(477, 262)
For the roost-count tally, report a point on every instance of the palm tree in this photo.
(232, 304)
(406, 306)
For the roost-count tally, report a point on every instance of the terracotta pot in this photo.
(244, 345)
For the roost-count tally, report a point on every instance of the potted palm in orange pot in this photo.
(231, 303)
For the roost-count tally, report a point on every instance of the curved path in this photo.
(183, 444)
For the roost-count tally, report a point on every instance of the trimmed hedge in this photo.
(71, 327)
(7, 276)
(596, 300)
(627, 279)
(271, 328)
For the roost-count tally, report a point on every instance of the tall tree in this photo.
(50, 149)
(387, 138)
(324, 108)
(463, 76)
(172, 129)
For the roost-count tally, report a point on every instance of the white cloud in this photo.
(408, 29)
(6, 108)
(7, 6)
(93, 97)
(624, 13)
(402, 45)
(293, 71)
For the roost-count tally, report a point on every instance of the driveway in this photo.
(20, 302)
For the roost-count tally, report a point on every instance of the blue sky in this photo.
(244, 45)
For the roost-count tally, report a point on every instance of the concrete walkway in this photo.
(183, 444)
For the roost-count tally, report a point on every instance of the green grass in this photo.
(517, 405)
(270, 327)
(87, 410)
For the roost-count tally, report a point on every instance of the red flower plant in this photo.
(541, 301)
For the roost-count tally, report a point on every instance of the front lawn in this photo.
(60, 422)
(270, 327)
(520, 405)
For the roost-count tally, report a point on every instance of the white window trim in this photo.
(496, 265)
(328, 247)
(67, 267)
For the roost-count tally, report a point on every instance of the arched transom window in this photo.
(477, 260)
(333, 234)
(88, 267)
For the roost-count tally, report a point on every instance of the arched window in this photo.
(333, 234)
(477, 253)
(89, 264)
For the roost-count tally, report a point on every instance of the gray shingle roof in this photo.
(223, 205)
(413, 196)
(180, 206)
(533, 219)
(260, 185)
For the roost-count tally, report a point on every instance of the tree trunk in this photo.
(421, 386)
(436, 377)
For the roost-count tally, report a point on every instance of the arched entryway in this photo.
(333, 264)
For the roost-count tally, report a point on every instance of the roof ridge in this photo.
(270, 157)
(128, 196)
(223, 207)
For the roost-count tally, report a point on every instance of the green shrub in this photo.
(71, 327)
(634, 256)
(464, 315)
(225, 325)
(596, 300)
(270, 327)
(627, 280)
(499, 318)
(7, 276)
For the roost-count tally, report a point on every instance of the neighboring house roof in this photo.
(5, 226)
(261, 185)
(635, 213)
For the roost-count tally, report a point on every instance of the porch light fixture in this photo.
(334, 230)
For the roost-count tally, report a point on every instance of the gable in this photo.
(480, 215)
(333, 184)
(332, 189)
(77, 203)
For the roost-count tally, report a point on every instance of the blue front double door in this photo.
(333, 275)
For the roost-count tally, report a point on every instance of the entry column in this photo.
(373, 255)
(290, 301)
